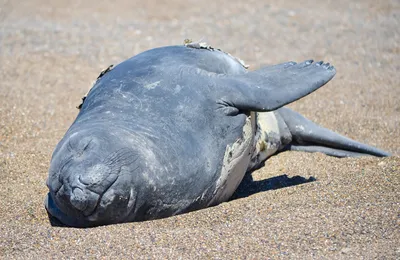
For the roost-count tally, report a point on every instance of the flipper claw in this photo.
(327, 65)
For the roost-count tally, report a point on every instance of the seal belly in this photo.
(235, 163)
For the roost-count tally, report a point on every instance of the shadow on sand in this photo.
(249, 186)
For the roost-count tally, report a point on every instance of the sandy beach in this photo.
(298, 206)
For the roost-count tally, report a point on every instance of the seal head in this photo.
(90, 177)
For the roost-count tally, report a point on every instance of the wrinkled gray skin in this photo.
(152, 138)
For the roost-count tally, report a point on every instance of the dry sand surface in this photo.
(51, 51)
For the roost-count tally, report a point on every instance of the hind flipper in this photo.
(310, 137)
(322, 149)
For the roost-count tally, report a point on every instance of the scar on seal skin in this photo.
(175, 129)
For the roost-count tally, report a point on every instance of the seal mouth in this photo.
(100, 193)
(79, 195)
(92, 216)
(118, 201)
(58, 211)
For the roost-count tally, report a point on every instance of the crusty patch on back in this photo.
(203, 45)
(197, 45)
(101, 75)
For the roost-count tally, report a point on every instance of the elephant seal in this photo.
(175, 129)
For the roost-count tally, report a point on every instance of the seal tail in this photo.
(310, 137)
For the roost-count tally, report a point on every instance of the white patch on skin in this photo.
(236, 160)
(177, 89)
(132, 200)
(267, 139)
(152, 85)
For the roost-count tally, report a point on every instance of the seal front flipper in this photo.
(268, 89)
(275, 68)
(310, 137)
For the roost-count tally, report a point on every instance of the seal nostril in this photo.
(79, 199)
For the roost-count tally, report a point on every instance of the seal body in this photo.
(172, 130)
(153, 143)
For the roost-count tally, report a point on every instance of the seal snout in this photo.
(81, 191)
(79, 199)
(76, 197)
(87, 179)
